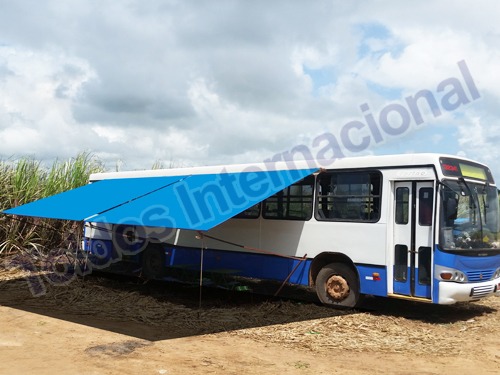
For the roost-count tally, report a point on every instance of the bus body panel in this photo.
(280, 250)
(361, 243)
(184, 260)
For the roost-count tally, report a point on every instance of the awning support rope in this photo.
(202, 235)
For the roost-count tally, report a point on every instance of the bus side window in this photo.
(250, 213)
(292, 203)
(349, 196)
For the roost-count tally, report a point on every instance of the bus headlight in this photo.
(450, 274)
(496, 275)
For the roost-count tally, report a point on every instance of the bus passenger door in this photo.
(412, 252)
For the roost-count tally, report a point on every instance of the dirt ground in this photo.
(102, 325)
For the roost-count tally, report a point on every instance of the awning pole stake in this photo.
(290, 275)
(201, 270)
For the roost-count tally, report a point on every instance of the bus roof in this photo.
(397, 160)
(175, 198)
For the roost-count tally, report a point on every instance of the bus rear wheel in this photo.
(337, 285)
(153, 262)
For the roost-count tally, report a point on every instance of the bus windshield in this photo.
(469, 216)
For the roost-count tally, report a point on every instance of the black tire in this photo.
(153, 262)
(337, 285)
(129, 239)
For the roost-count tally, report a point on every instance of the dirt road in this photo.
(122, 326)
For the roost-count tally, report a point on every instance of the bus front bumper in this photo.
(452, 292)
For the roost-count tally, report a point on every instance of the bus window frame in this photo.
(378, 197)
(264, 211)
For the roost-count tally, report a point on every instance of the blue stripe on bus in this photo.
(370, 284)
(467, 264)
(260, 266)
(253, 265)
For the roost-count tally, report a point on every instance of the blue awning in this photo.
(197, 202)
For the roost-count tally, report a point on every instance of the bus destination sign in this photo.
(461, 168)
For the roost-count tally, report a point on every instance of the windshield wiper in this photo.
(462, 180)
(474, 206)
(485, 202)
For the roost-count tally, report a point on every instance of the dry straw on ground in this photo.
(384, 326)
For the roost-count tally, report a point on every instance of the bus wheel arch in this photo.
(336, 280)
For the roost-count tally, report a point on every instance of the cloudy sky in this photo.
(209, 82)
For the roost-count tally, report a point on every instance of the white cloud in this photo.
(480, 140)
(36, 98)
(112, 135)
(177, 81)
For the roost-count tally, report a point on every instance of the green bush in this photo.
(26, 180)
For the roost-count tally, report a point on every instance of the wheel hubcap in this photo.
(337, 287)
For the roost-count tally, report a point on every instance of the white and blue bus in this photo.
(421, 227)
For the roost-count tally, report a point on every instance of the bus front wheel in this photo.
(337, 285)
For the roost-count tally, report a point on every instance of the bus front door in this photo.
(413, 228)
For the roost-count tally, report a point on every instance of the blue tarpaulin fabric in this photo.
(197, 202)
(80, 203)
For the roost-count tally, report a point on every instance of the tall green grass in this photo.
(26, 180)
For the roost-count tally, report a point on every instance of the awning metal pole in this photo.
(290, 275)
